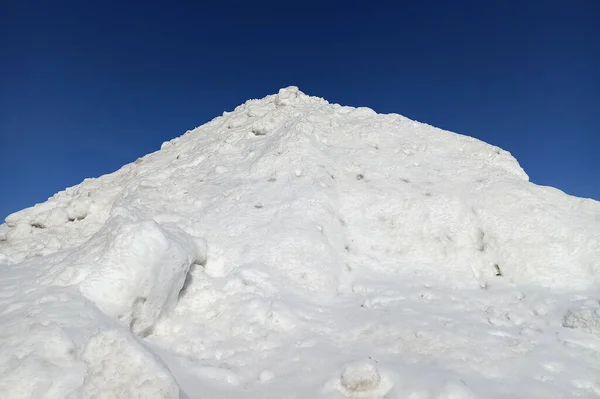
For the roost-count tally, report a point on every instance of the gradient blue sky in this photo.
(88, 86)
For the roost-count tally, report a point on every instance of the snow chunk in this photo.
(289, 96)
(78, 209)
(139, 271)
(116, 364)
(361, 376)
(56, 217)
(18, 231)
(268, 123)
(362, 379)
(58, 345)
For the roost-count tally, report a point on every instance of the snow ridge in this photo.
(232, 259)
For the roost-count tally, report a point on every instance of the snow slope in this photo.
(294, 248)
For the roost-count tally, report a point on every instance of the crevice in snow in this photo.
(189, 278)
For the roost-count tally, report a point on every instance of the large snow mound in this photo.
(296, 248)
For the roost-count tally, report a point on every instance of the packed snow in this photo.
(295, 248)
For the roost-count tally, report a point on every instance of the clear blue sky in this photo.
(87, 86)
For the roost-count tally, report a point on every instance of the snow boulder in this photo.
(59, 345)
(360, 376)
(134, 271)
(362, 379)
(118, 364)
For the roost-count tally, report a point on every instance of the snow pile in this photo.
(57, 345)
(66, 321)
(294, 248)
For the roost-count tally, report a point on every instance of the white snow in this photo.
(294, 248)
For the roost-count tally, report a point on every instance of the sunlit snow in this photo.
(294, 248)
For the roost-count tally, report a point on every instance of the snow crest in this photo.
(281, 248)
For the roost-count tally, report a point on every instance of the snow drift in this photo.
(233, 260)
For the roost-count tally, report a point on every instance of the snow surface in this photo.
(294, 248)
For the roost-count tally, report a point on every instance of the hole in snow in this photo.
(37, 225)
(497, 270)
(189, 280)
(360, 176)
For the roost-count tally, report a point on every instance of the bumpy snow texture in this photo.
(294, 248)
